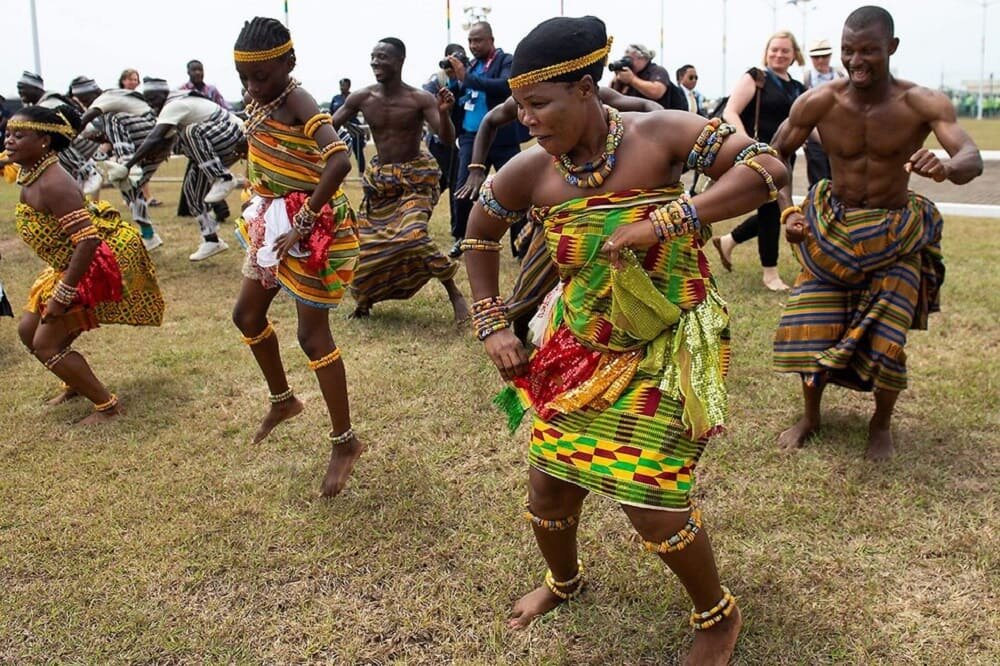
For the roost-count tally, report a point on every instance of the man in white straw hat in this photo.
(817, 164)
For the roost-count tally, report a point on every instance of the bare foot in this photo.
(725, 250)
(714, 647)
(342, 459)
(363, 310)
(461, 308)
(68, 394)
(534, 604)
(96, 418)
(796, 436)
(279, 412)
(880, 444)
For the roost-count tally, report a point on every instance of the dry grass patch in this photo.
(165, 537)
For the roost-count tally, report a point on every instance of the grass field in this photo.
(166, 537)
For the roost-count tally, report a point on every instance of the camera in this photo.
(462, 58)
(619, 65)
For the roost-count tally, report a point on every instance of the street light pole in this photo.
(725, 22)
(982, 63)
(34, 38)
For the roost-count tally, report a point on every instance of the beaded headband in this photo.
(65, 130)
(558, 69)
(260, 56)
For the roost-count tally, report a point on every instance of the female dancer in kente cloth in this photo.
(627, 384)
(98, 270)
(300, 233)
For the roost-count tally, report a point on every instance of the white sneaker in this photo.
(207, 249)
(220, 189)
(153, 242)
(92, 186)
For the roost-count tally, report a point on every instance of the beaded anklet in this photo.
(260, 337)
(107, 406)
(715, 614)
(326, 360)
(558, 587)
(681, 540)
(54, 360)
(275, 398)
(342, 438)
(553, 525)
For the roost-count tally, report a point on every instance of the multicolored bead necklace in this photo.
(28, 175)
(600, 168)
(257, 114)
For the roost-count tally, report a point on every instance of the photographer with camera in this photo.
(478, 87)
(446, 154)
(636, 75)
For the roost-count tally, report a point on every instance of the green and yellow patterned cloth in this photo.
(635, 429)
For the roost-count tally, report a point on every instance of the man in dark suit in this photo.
(479, 87)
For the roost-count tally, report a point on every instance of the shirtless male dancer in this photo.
(869, 248)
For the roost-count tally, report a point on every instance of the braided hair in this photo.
(64, 114)
(262, 33)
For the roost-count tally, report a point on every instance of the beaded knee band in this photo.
(107, 406)
(54, 360)
(260, 337)
(553, 525)
(326, 360)
(715, 614)
(681, 540)
(575, 584)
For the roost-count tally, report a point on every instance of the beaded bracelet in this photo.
(789, 211)
(332, 149)
(772, 190)
(304, 220)
(677, 218)
(477, 165)
(481, 244)
(489, 315)
(63, 293)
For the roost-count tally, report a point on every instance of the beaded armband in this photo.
(489, 315)
(709, 143)
(332, 149)
(313, 124)
(479, 244)
(494, 208)
(677, 218)
(73, 218)
(89, 231)
(753, 150)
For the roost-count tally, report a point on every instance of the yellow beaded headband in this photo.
(65, 130)
(260, 56)
(552, 71)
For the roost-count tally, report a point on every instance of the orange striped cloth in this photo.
(868, 276)
(283, 161)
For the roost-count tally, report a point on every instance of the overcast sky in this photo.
(940, 41)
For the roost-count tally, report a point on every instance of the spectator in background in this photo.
(128, 79)
(817, 164)
(446, 154)
(196, 82)
(639, 76)
(352, 124)
(479, 87)
(687, 77)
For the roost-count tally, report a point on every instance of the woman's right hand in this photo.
(795, 228)
(473, 182)
(507, 353)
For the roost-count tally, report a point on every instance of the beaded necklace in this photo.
(600, 168)
(257, 114)
(30, 174)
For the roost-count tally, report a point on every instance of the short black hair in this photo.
(345, 80)
(452, 48)
(397, 43)
(262, 33)
(64, 114)
(682, 70)
(482, 24)
(191, 62)
(863, 17)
